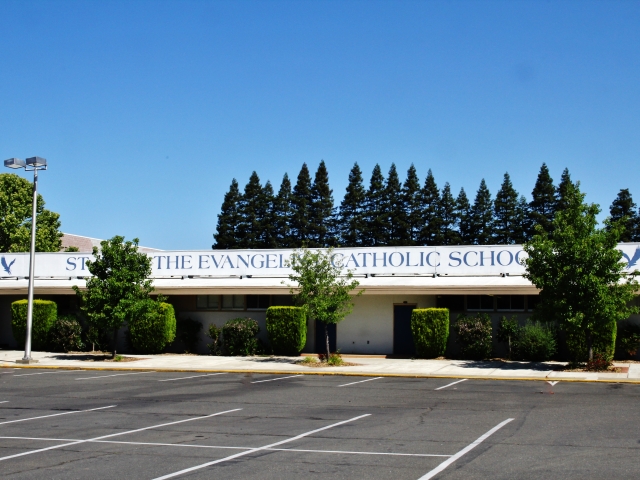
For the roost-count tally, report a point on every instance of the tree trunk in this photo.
(115, 342)
(326, 338)
(590, 345)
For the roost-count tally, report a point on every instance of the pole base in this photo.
(26, 361)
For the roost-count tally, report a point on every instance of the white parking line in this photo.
(274, 379)
(253, 450)
(5, 401)
(448, 385)
(39, 373)
(226, 447)
(186, 378)
(77, 442)
(56, 414)
(114, 375)
(466, 449)
(361, 381)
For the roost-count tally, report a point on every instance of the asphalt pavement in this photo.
(79, 424)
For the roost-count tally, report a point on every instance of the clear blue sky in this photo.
(147, 110)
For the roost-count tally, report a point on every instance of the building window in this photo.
(510, 302)
(258, 302)
(454, 303)
(479, 302)
(208, 302)
(532, 301)
(232, 302)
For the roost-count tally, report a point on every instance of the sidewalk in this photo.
(366, 366)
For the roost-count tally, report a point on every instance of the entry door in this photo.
(402, 338)
(321, 346)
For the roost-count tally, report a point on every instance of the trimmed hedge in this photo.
(430, 331)
(66, 334)
(45, 314)
(287, 329)
(152, 327)
(474, 336)
(239, 337)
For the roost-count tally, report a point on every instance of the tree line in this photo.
(390, 212)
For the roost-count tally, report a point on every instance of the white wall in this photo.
(372, 321)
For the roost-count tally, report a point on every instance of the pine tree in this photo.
(623, 210)
(507, 223)
(376, 221)
(465, 219)
(267, 237)
(523, 220)
(394, 208)
(449, 217)
(321, 221)
(542, 207)
(283, 214)
(351, 218)
(301, 202)
(430, 203)
(250, 211)
(412, 219)
(563, 190)
(228, 219)
(482, 215)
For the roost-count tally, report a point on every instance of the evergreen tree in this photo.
(482, 215)
(412, 218)
(507, 223)
(542, 207)
(351, 217)
(250, 210)
(226, 235)
(394, 208)
(282, 215)
(623, 211)
(376, 220)
(449, 217)
(465, 219)
(564, 188)
(301, 202)
(267, 237)
(431, 221)
(321, 221)
(524, 220)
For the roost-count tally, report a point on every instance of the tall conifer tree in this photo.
(283, 214)
(623, 210)
(449, 233)
(250, 214)
(322, 215)
(228, 219)
(465, 219)
(542, 207)
(266, 216)
(301, 201)
(431, 222)
(507, 222)
(394, 208)
(351, 218)
(564, 190)
(482, 214)
(412, 218)
(376, 219)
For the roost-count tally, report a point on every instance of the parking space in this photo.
(161, 425)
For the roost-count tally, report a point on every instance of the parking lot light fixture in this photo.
(32, 164)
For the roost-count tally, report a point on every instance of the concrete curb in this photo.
(346, 374)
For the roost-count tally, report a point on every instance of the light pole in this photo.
(32, 164)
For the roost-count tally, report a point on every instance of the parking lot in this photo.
(159, 425)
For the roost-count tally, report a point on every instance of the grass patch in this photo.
(308, 360)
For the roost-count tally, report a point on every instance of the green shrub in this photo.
(287, 329)
(474, 336)
(628, 341)
(66, 334)
(239, 336)
(152, 327)
(536, 342)
(188, 333)
(45, 314)
(97, 338)
(430, 330)
(508, 330)
(603, 342)
(215, 334)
